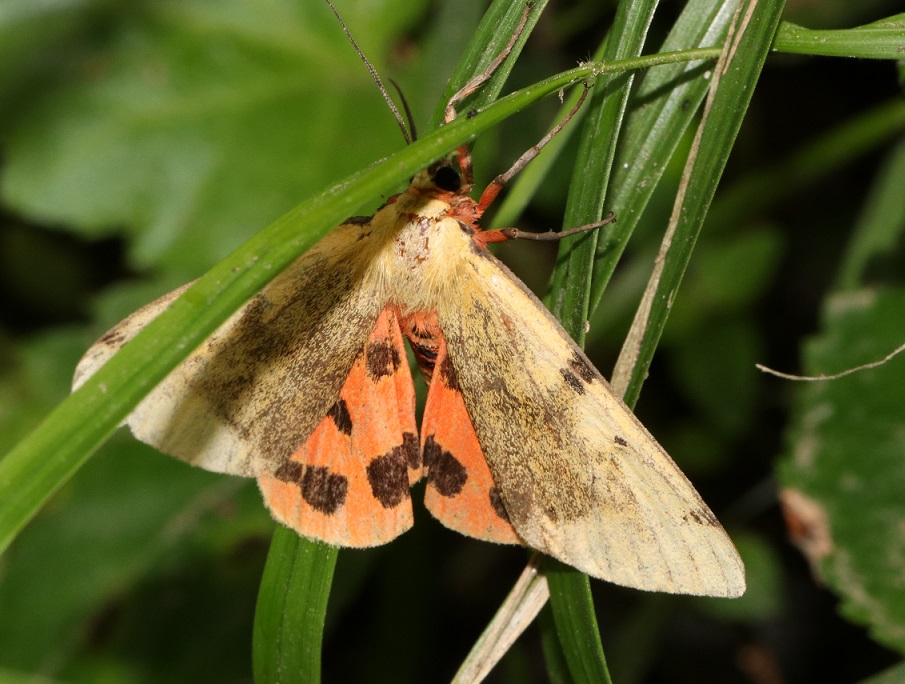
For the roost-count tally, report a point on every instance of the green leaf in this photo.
(843, 477)
(91, 552)
(185, 105)
(663, 106)
(878, 40)
(893, 675)
(736, 76)
(292, 603)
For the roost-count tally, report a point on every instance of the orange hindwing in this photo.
(348, 484)
(460, 492)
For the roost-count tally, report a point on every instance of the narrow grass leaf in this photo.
(878, 40)
(576, 625)
(571, 281)
(734, 80)
(662, 107)
(292, 604)
(832, 150)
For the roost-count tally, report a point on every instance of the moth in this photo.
(307, 388)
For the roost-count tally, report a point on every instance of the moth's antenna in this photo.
(374, 75)
(406, 109)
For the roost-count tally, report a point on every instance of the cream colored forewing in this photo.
(581, 478)
(245, 400)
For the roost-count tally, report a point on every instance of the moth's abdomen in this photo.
(423, 333)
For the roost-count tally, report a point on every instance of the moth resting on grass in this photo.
(307, 389)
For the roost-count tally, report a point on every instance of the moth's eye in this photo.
(447, 179)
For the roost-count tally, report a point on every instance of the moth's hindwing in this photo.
(254, 391)
(348, 485)
(460, 490)
(580, 477)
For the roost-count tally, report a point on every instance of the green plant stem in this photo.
(292, 602)
(879, 40)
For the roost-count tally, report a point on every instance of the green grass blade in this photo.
(662, 108)
(878, 40)
(570, 594)
(489, 40)
(44, 460)
(880, 227)
(554, 658)
(576, 624)
(735, 77)
(571, 281)
(292, 603)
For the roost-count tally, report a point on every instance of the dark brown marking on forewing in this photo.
(572, 380)
(341, 417)
(532, 468)
(444, 472)
(301, 335)
(324, 491)
(388, 477)
(496, 503)
(358, 220)
(620, 441)
(411, 450)
(381, 359)
(448, 374)
(578, 373)
(702, 516)
(581, 368)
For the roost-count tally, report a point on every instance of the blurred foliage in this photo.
(142, 141)
(844, 474)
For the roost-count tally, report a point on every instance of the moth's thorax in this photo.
(420, 242)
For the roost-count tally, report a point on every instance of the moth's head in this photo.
(444, 176)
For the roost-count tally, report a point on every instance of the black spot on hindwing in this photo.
(382, 359)
(444, 472)
(411, 450)
(290, 471)
(389, 478)
(324, 491)
(339, 412)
